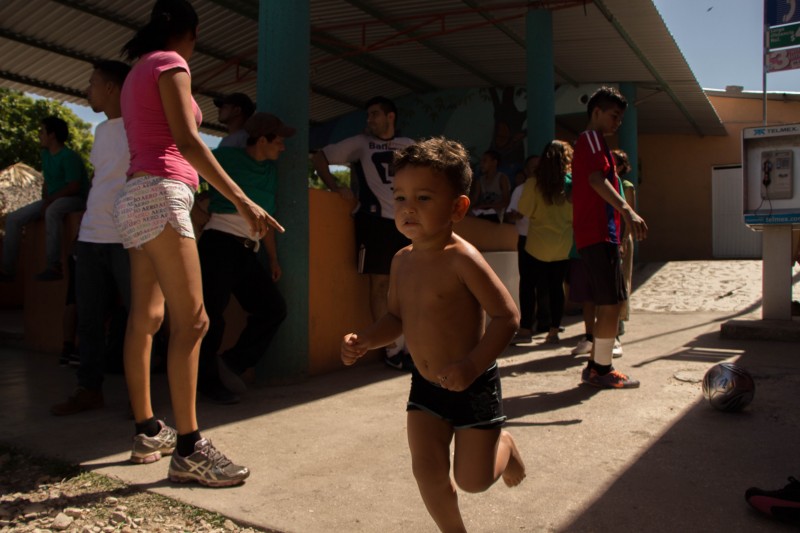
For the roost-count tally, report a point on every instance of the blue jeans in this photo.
(102, 275)
(53, 222)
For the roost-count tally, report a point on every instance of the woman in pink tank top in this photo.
(152, 213)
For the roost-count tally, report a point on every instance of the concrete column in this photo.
(540, 79)
(776, 273)
(629, 132)
(283, 81)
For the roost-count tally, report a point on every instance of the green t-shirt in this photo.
(258, 180)
(62, 168)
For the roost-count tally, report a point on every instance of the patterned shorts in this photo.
(146, 204)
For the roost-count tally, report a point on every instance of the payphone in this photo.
(776, 174)
(772, 205)
(771, 180)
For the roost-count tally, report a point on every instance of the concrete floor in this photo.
(330, 454)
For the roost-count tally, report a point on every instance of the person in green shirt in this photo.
(230, 263)
(64, 191)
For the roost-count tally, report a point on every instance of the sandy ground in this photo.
(692, 286)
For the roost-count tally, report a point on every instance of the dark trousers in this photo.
(532, 300)
(230, 269)
(102, 278)
(550, 277)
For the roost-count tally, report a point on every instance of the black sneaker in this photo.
(231, 379)
(69, 359)
(218, 393)
(783, 504)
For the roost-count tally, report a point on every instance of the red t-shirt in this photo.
(152, 148)
(593, 219)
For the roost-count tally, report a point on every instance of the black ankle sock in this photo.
(590, 337)
(602, 369)
(149, 427)
(590, 364)
(186, 443)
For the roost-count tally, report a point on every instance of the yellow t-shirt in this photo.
(550, 229)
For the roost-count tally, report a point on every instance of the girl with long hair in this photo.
(545, 202)
(152, 214)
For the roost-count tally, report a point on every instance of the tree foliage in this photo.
(340, 173)
(20, 117)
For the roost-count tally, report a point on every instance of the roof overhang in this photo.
(361, 48)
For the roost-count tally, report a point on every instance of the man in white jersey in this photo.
(102, 272)
(377, 237)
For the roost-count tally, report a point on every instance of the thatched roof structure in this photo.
(20, 185)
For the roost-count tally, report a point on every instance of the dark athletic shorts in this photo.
(480, 406)
(377, 240)
(580, 290)
(604, 268)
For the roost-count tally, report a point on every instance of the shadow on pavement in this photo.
(694, 475)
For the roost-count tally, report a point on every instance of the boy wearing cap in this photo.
(234, 110)
(229, 257)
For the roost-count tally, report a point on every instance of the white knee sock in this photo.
(603, 351)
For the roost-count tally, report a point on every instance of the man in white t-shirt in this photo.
(102, 274)
(377, 238)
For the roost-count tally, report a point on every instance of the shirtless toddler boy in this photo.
(439, 288)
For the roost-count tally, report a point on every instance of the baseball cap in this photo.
(263, 124)
(239, 100)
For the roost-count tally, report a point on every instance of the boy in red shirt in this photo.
(598, 211)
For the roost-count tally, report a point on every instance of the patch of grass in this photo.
(57, 485)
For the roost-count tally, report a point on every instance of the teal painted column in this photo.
(629, 142)
(629, 131)
(283, 81)
(540, 79)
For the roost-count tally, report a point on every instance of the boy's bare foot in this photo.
(515, 470)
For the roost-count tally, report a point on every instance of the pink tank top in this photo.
(152, 148)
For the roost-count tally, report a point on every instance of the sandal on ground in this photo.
(552, 338)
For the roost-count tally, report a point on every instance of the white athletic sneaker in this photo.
(584, 346)
(617, 350)
(207, 466)
(150, 449)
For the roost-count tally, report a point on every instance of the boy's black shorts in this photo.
(377, 240)
(604, 268)
(480, 406)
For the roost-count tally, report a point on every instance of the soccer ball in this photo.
(728, 387)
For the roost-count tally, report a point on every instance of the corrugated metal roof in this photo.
(365, 47)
